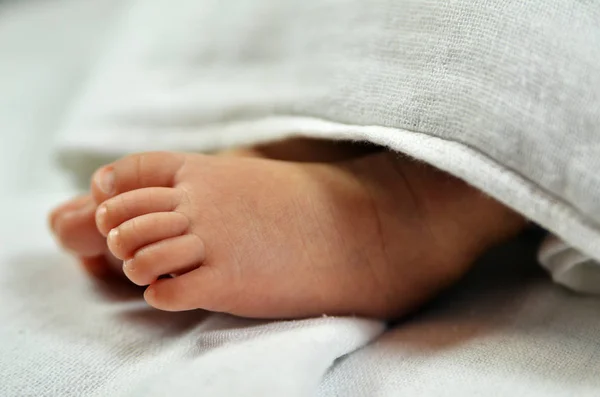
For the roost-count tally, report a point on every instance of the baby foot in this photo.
(74, 225)
(373, 236)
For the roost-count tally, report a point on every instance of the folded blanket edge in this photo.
(458, 159)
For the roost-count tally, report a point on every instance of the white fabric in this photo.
(570, 267)
(62, 334)
(505, 331)
(487, 91)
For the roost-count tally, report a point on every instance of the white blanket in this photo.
(506, 330)
(498, 94)
(60, 333)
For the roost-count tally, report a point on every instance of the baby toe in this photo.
(176, 255)
(129, 205)
(77, 232)
(155, 169)
(74, 204)
(202, 288)
(124, 240)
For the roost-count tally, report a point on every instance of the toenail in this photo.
(90, 205)
(150, 294)
(101, 214)
(128, 265)
(113, 235)
(67, 214)
(105, 180)
(87, 208)
(53, 222)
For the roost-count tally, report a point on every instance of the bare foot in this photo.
(74, 224)
(373, 236)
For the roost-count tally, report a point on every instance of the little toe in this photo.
(124, 240)
(202, 288)
(76, 231)
(154, 169)
(176, 255)
(69, 206)
(128, 205)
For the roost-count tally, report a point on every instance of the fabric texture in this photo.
(505, 95)
(61, 334)
(569, 266)
(505, 330)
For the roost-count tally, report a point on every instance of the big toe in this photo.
(74, 225)
(153, 169)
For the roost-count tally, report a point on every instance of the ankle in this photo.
(460, 209)
(453, 210)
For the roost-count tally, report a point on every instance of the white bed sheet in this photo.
(505, 331)
(63, 334)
